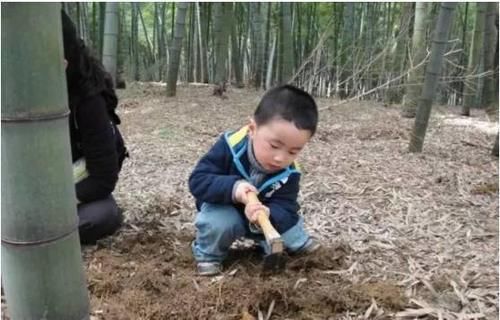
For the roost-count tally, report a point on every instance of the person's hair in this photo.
(85, 75)
(288, 103)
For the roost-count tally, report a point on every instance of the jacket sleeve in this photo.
(283, 204)
(210, 181)
(99, 150)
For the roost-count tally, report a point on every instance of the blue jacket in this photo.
(226, 162)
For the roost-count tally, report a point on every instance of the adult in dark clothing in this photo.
(95, 139)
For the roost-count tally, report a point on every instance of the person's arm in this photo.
(99, 150)
(283, 204)
(210, 181)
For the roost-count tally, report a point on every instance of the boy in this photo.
(260, 158)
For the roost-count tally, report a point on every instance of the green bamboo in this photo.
(221, 31)
(175, 49)
(471, 88)
(490, 41)
(287, 48)
(42, 271)
(494, 150)
(110, 43)
(432, 73)
(415, 76)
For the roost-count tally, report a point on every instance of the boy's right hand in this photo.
(242, 188)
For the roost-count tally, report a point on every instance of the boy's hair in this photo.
(288, 103)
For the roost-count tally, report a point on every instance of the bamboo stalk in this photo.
(42, 270)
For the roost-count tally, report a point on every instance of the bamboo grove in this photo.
(345, 50)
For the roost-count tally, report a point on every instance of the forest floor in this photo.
(404, 235)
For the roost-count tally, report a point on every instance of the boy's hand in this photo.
(251, 210)
(242, 188)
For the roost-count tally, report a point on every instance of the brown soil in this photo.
(151, 275)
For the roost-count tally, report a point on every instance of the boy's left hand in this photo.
(252, 209)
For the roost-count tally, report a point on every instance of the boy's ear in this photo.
(252, 127)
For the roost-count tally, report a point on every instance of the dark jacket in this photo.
(93, 136)
(226, 162)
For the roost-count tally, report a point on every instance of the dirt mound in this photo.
(150, 274)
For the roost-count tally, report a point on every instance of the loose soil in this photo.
(151, 275)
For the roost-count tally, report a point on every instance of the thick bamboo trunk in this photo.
(432, 74)
(220, 32)
(205, 23)
(42, 272)
(135, 41)
(175, 51)
(102, 11)
(258, 42)
(269, 71)
(490, 90)
(235, 52)
(494, 150)
(110, 43)
(287, 47)
(471, 86)
(418, 53)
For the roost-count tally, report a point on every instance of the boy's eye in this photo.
(292, 153)
(274, 146)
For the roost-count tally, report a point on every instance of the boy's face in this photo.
(277, 143)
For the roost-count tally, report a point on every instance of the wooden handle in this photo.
(273, 238)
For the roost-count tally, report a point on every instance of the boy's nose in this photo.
(278, 157)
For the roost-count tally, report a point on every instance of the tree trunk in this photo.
(150, 56)
(202, 57)
(162, 45)
(155, 30)
(490, 94)
(42, 268)
(395, 92)
(415, 78)
(287, 46)
(221, 26)
(269, 72)
(135, 40)
(175, 51)
(432, 74)
(102, 14)
(267, 40)
(258, 42)
(235, 50)
(110, 45)
(189, 52)
(205, 34)
(95, 39)
(123, 43)
(471, 85)
(347, 49)
(494, 151)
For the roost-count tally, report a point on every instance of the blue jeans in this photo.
(218, 226)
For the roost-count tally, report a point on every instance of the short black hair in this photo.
(288, 103)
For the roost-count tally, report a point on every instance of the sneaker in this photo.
(312, 245)
(208, 268)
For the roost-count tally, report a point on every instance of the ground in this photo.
(404, 235)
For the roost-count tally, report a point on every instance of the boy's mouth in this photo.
(274, 167)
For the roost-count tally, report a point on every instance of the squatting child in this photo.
(259, 157)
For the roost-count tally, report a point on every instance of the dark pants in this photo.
(98, 219)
